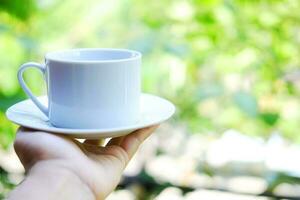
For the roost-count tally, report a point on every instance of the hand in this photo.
(95, 166)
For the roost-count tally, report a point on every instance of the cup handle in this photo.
(25, 87)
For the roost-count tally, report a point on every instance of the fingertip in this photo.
(144, 133)
(132, 141)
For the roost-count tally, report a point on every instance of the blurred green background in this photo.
(225, 64)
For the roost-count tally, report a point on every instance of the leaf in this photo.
(21, 9)
(246, 102)
(269, 118)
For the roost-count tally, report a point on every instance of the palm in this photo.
(98, 166)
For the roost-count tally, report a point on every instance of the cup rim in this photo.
(52, 57)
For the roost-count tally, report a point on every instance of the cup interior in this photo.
(92, 55)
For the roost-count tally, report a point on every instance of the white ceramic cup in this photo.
(89, 88)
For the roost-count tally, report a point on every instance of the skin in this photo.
(58, 167)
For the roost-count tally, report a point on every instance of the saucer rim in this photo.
(69, 131)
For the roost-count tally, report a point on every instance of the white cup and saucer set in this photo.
(91, 94)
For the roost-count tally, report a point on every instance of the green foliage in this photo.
(7, 131)
(21, 9)
(5, 183)
(270, 118)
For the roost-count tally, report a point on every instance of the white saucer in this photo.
(154, 110)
